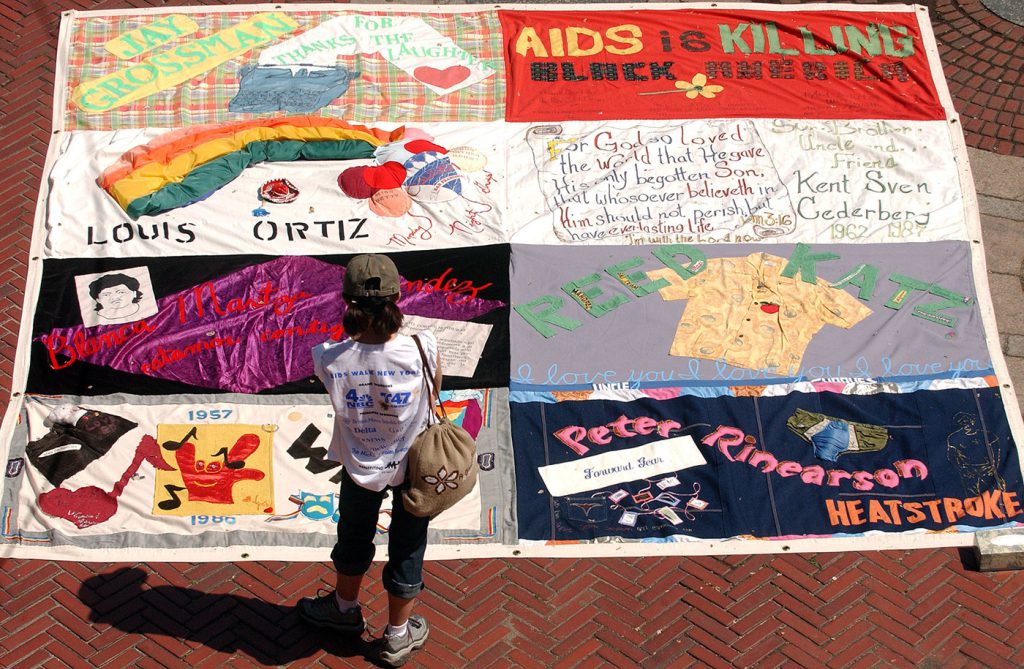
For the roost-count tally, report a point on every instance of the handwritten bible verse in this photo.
(692, 182)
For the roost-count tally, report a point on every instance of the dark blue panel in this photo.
(926, 460)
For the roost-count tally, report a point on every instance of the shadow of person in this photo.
(271, 634)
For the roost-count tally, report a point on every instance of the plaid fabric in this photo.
(382, 92)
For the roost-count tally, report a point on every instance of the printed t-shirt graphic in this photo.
(743, 311)
(377, 392)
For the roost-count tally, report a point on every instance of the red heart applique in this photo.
(386, 176)
(770, 308)
(84, 507)
(421, 145)
(445, 78)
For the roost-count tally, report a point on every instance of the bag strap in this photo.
(428, 384)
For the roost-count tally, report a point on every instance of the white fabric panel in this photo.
(135, 504)
(734, 180)
(82, 219)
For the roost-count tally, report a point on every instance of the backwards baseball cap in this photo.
(371, 275)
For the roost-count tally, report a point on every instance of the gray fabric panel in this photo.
(631, 342)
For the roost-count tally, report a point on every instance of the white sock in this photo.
(396, 630)
(345, 604)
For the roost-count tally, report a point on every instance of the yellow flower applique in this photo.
(699, 86)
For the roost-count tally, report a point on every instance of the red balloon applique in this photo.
(420, 145)
(353, 183)
(386, 176)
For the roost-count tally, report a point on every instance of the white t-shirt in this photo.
(379, 403)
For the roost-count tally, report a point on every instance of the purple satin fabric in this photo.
(245, 332)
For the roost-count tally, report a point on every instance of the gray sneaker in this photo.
(322, 611)
(395, 651)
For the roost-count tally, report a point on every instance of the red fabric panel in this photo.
(641, 65)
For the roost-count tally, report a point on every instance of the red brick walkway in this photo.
(898, 609)
(895, 608)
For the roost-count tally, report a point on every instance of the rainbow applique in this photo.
(188, 165)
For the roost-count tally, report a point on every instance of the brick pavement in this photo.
(891, 608)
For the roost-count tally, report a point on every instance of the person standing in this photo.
(376, 384)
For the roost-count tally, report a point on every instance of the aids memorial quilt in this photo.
(704, 279)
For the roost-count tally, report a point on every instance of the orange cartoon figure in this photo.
(213, 480)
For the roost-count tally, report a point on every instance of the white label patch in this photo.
(631, 464)
(459, 344)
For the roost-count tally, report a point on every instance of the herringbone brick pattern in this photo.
(892, 609)
(983, 56)
(887, 609)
